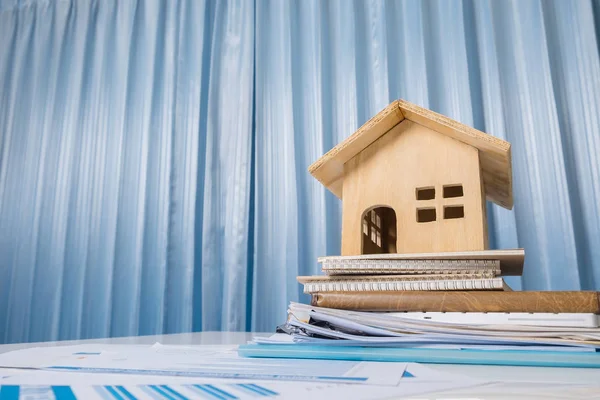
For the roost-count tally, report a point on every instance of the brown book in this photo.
(462, 301)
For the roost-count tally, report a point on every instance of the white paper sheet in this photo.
(395, 322)
(251, 390)
(418, 380)
(425, 338)
(282, 338)
(382, 325)
(527, 390)
(527, 321)
(198, 362)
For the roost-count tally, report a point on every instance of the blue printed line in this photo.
(243, 388)
(268, 392)
(222, 392)
(162, 392)
(214, 391)
(114, 393)
(85, 353)
(173, 392)
(102, 392)
(150, 392)
(125, 392)
(9, 392)
(63, 393)
(201, 392)
(205, 374)
(344, 378)
(208, 391)
(252, 389)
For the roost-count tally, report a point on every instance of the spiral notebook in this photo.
(350, 265)
(501, 262)
(358, 283)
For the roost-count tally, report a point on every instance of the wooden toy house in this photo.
(414, 181)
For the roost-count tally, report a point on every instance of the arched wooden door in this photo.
(379, 230)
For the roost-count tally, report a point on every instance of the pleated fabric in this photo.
(154, 154)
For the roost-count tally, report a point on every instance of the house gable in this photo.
(495, 154)
(403, 169)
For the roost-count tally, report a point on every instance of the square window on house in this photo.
(453, 212)
(453, 191)
(426, 214)
(425, 193)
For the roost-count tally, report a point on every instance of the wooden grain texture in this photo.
(389, 172)
(472, 301)
(495, 153)
(511, 260)
(329, 169)
(486, 242)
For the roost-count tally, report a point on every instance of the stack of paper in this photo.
(423, 340)
(317, 325)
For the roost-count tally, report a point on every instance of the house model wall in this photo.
(413, 181)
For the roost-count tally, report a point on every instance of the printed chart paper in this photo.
(197, 362)
(27, 384)
(219, 391)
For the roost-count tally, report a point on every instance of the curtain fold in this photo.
(154, 154)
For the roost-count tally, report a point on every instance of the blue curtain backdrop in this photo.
(154, 154)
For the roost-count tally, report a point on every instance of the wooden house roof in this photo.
(494, 153)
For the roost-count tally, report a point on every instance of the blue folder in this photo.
(432, 356)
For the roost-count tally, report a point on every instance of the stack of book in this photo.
(373, 277)
(439, 308)
(468, 282)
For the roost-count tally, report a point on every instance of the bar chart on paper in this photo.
(215, 391)
(126, 372)
(130, 392)
(17, 385)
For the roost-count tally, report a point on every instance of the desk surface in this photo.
(532, 382)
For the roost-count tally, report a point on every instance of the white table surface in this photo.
(510, 382)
